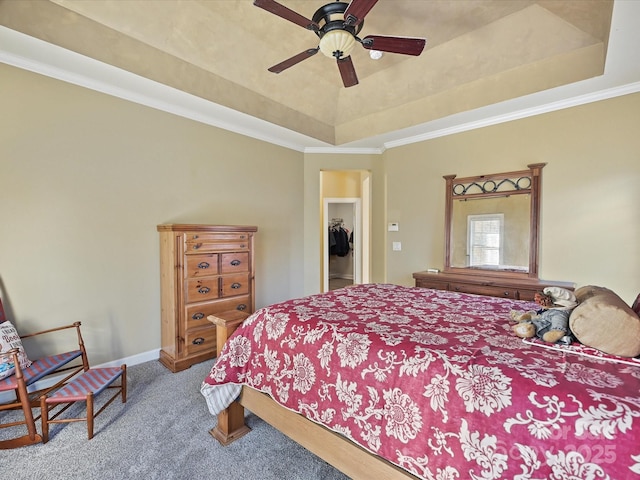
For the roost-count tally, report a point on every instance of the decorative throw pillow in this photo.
(636, 305)
(9, 339)
(604, 321)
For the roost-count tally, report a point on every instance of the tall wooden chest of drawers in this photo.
(204, 270)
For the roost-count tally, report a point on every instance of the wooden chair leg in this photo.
(44, 416)
(32, 435)
(123, 380)
(90, 415)
(26, 408)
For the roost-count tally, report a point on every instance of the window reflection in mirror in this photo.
(491, 233)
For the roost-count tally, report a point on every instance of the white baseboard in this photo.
(133, 359)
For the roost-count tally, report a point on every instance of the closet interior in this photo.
(340, 244)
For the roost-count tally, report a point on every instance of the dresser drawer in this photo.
(201, 265)
(214, 242)
(201, 289)
(424, 283)
(235, 285)
(489, 290)
(196, 314)
(198, 340)
(212, 237)
(527, 294)
(234, 262)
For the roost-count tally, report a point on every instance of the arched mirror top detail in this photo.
(492, 223)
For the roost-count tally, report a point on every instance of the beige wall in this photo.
(85, 178)
(590, 226)
(341, 183)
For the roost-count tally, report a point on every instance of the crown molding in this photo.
(622, 74)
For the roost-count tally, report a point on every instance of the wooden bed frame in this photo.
(351, 459)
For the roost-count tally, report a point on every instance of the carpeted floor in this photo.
(335, 283)
(162, 432)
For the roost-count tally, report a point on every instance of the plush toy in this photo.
(551, 322)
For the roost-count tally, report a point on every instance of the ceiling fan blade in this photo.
(294, 60)
(357, 9)
(403, 45)
(286, 13)
(347, 71)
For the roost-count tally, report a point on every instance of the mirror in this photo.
(491, 223)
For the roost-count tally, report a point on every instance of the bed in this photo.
(384, 381)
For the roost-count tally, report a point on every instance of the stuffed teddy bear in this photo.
(551, 322)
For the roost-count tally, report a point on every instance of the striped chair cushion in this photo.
(92, 381)
(39, 369)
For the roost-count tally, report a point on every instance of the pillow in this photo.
(3, 317)
(9, 339)
(604, 321)
(561, 297)
(636, 305)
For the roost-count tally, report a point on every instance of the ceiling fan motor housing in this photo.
(336, 38)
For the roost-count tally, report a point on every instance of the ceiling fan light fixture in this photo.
(337, 43)
(375, 54)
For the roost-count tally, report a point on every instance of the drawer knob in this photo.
(197, 316)
(235, 263)
(241, 307)
(204, 290)
(198, 341)
(235, 285)
(242, 245)
(197, 246)
(242, 237)
(194, 237)
(457, 289)
(203, 265)
(506, 294)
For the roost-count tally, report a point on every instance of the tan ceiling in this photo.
(479, 52)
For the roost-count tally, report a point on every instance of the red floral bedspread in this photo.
(436, 383)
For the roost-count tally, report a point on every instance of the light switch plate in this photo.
(393, 227)
(397, 246)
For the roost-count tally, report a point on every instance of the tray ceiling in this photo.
(478, 53)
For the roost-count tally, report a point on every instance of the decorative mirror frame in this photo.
(496, 185)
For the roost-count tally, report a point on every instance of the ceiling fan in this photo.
(337, 24)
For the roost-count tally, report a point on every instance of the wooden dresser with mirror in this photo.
(491, 236)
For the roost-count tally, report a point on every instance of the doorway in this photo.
(348, 210)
